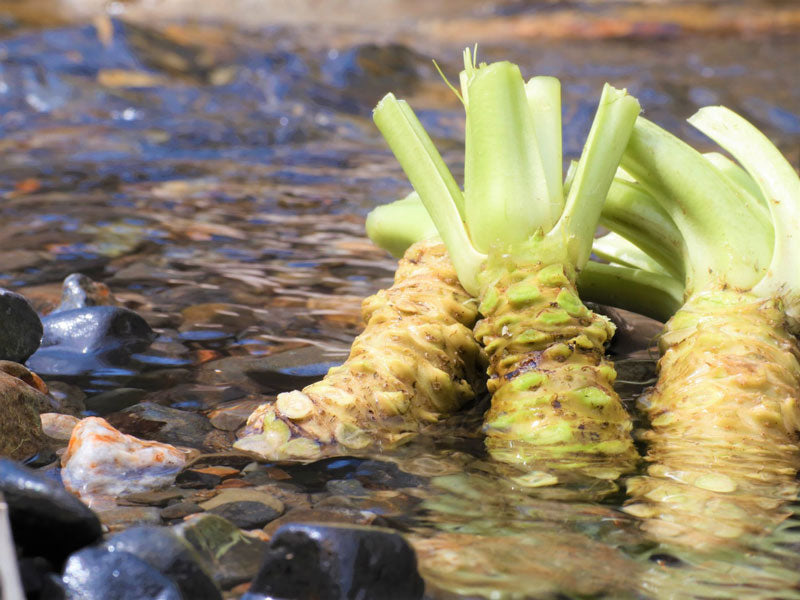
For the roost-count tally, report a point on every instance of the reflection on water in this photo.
(216, 178)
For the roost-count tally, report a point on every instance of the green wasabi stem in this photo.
(399, 224)
(534, 320)
(607, 140)
(635, 215)
(779, 184)
(614, 248)
(655, 295)
(736, 175)
(433, 182)
(505, 187)
(727, 240)
(544, 103)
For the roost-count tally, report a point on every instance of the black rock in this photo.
(20, 327)
(46, 520)
(163, 424)
(337, 562)
(197, 480)
(246, 514)
(171, 556)
(97, 574)
(83, 340)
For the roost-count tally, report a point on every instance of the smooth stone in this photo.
(84, 340)
(21, 329)
(69, 399)
(96, 574)
(246, 514)
(349, 487)
(21, 433)
(244, 495)
(230, 416)
(340, 515)
(163, 424)
(80, 291)
(114, 400)
(227, 553)
(122, 517)
(46, 519)
(180, 510)
(160, 548)
(194, 480)
(336, 562)
(158, 498)
(103, 461)
(25, 374)
(58, 426)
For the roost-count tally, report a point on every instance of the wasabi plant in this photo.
(518, 242)
(724, 413)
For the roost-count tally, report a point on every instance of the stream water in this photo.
(216, 175)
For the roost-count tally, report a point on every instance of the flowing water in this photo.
(215, 172)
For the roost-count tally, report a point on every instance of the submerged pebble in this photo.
(335, 562)
(103, 461)
(20, 427)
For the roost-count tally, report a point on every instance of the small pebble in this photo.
(247, 514)
(180, 510)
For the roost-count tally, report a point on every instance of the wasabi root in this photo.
(415, 362)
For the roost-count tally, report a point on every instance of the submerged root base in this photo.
(553, 403)
(415, 362)
(724, 417)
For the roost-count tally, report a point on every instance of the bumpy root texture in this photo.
(724, 415)
(415, 362)
(554, 411)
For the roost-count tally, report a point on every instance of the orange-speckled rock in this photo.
(103, 461)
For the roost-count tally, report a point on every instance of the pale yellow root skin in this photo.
(554, 410)
(725, 415)
(415, 362)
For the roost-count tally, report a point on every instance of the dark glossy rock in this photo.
(80, 291)
(20, 327)
(97, 574)
(337, 562)
(46, 520)
(21, 433)
(152, 421)
(114, 400)
(160, 548)
(224, 550)
(246, 514)
(88, 339)
(180, 510)
(197, 480)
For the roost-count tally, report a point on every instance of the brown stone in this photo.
(21, 434)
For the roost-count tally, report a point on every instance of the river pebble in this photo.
(46, 520)
(97, 574)
(103, 461)
(335, 562)
(58, 426)
(160, 548)
(224, 550)
(20, 327)
(164, 424)
(84, 340)
(80, 291)
(20, 427)
(246, 514)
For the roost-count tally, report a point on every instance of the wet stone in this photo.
(21, 433)
(163, 424)
(122, 517)
(246, 514)
(230, 416)
(96, 574)
(68, 398)
(46, 520)
(114, 400)
(88, 339)
(180, 510)
(20, 327)
(57, 426)
(156, 498)
(80, 291)
(342, 515)
(193, 479)
(227, 496)
(225, 551)
(335, 562)
(103, 461)
(164, 551)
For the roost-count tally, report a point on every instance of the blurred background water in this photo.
(213, 162)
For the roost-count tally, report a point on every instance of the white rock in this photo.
(101, 461)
